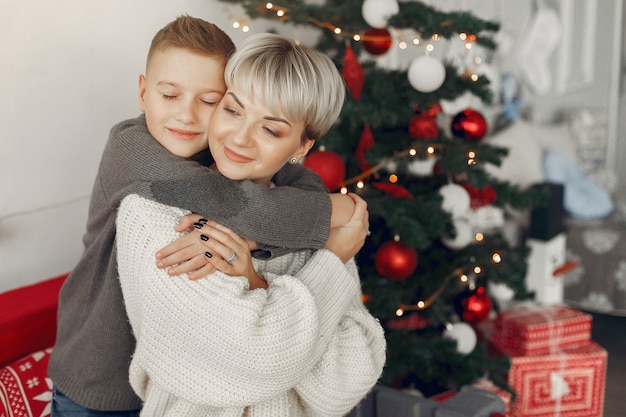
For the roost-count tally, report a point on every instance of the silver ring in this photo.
(232, 258)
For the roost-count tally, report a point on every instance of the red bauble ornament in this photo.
(377, 41)
(396, 260)
(328, 165)
(473, 306)
(469, 125)
(423, 126)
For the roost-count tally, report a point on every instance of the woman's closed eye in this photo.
(231, 110)
(271, 132)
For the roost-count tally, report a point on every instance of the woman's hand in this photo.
(228, 252)
(200, 252)
(346, 241)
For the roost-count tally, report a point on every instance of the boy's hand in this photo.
(342, 209)
(346, 241)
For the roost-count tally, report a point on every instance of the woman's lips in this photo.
(235, 157)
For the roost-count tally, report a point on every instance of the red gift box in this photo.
(567, 383)
(534, 330)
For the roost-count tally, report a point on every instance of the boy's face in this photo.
(178, 95)
(248, 141)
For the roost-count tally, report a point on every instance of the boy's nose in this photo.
(185, 113)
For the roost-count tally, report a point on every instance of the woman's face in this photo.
(250, 142)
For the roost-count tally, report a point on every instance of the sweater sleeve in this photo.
(280, 219)
(212, 341)
(352, 363)
(352, 359)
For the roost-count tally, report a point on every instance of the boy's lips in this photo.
(235, 157)
(183, 134)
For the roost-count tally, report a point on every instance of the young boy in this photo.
(162, 155)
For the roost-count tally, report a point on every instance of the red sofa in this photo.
(27, 333)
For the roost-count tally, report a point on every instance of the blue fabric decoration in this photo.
(583, 198)
(511, 101)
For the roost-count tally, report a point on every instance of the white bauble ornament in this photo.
(464, 335)
(456, 200)
(464, 234)
(422, 167)
(426, 73)
(376, 13)
(487, 218)
(500, 292)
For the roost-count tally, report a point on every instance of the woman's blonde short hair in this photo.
(302, 83)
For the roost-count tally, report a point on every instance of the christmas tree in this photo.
(428, 264)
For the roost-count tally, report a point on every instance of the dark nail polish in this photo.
(203, 221)
(208, 254)
(198, 225)
(204, 237)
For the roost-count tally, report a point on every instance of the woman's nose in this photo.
(243, 136)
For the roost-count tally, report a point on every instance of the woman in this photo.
(288, 336)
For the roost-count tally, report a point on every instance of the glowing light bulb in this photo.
(477, 269)
(360, 184)
(402, 45)
(421, 304)
(269, 6)
(480, 237)
(463, 278)
(337, 31)
(356, 37)
(462, 36)
(430, 47)
(280, 13)
(496, 258)
(412, 151)
(393, 178)
(399, 312)
(236, 25)
(344, 190)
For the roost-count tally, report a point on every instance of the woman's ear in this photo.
(304, 148)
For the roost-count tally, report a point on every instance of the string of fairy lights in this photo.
(465, 274)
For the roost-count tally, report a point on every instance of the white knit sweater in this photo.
(306, 346)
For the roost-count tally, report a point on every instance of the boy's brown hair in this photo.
(195, 35)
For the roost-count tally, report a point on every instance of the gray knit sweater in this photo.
(94, 343)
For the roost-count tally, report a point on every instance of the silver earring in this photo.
(293, 160)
